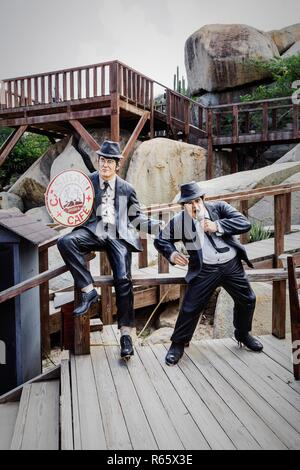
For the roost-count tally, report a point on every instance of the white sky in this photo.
(149, 35)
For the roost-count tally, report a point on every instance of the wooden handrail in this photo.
(239, 196)
(35, 281)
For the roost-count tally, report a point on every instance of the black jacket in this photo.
(129, 217)
(182, 228)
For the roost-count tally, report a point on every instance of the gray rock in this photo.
(40, 214)
(284, 38)
(31, 186)
(217, 56)
(160, 165)
(262, 321)
(69, 159)
(263, 211)
(245, 180)
(292, 156)
(160, 336)
(294, 50)
(10, 200)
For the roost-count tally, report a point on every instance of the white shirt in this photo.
(107, 208)
(209, 253)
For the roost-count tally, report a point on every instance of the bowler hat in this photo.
(189, 192)
(110, 149)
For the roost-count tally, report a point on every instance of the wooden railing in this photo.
(235, 123)
(282, 215)
(256, 120)
(62, 85)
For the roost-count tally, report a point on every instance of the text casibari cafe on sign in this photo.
(69, 198)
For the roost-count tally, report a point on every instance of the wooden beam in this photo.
(134, 136)
(106, 292)
(49, 134)
(66, 116)
(11, 142)
(210, 149)
(44, 305)
(131, 108)
(295, 313)
(86, 136)
(279, 288)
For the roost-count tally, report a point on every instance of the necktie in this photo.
(219, 250)
(200, 218)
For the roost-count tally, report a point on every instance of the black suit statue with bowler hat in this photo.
(215, 259)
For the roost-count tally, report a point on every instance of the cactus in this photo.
(179, 85)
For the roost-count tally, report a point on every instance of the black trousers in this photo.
(75, 245)
(232, 277)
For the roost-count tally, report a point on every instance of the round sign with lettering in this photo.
(69, 198)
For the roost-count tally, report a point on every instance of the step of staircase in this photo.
(8, 417)
(37, 423)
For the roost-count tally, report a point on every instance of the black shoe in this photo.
(247, 340)
(87, 299)
(174, 354)
(126, 347)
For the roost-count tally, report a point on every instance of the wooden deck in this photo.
(220, 397)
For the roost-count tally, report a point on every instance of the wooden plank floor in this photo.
(219, 397)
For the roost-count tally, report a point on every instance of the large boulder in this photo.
(31, 186)
(159, 166)
(101, 134)
(292, 156)
(217, 56)
(294, 50)
(246, 180)
(69, 159)
(10, 200)
(263, 211)
(284, 38)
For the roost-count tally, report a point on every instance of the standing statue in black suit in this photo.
(207, 231)
(112, 227)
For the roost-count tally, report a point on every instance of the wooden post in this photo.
(295, 121)
(234, 161)
(163, 263)
(265, 131)
(288, 212)
(11, 142)
(279, 287)
(143, 255)
(86, 136)
(134, 136)
(210, 151)
(183, 289)
(186, 120)
(106, 292)
(295, 312)
(44, 305)
(152, 128)
(244, 237)
(81, 330)
(115, 105)
(235, 124)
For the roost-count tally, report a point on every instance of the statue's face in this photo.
(107, 167)
(193, 206)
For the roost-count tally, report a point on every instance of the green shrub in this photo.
(259, 232)
(283, 70)
(24, 154)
